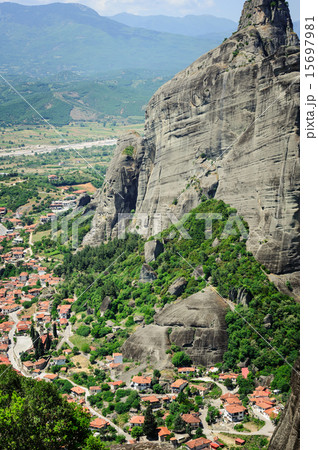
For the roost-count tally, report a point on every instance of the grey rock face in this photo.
(228, 127)
(178, 286)
(152, 250)
(147, 274)
(83, 200)
(198, 273)
(241, 296)
(287, 433)
(118, 195)
(196, 324)
(268, 321)
(105, 304)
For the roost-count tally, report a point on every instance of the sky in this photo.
(231, 9)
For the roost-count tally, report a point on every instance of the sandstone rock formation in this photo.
(117, 198)
(227, 126)
(287, 433)
(147, 274)
(196, 324)
(152, 250)
(178, 286)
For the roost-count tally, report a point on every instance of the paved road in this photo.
(66, 338)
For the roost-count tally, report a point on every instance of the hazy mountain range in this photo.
(188, 26)
(47, 39)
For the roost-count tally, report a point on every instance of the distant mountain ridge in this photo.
(47, 39)
(190, 25)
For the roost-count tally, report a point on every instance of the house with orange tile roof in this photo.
(115, 385)
(153, 401)
(95, 390)
(4, 360)
(64, 311)
(141, 383)
(23, 276)
(178, 386)
(137, 421)
(186, 370)
(50, 377)
(28, 365)
(4, 348)
(234, 413)
(198, 444)
(192, 420)
(225, 397)
(78, 391)
(40, 364)
(202, 389)
(228, 376)
(98, 424)
(163, 434)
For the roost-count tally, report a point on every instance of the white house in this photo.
(141, 383)
(234, 413)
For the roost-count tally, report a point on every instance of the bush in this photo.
(181, 359)
(83, 330)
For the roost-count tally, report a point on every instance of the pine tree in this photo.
(39, 347)
(32, 332)
(150, 425)
(48, 342)
(54, 330)
(35, 339)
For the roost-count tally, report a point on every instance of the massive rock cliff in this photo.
(195, 324)
(227, 126)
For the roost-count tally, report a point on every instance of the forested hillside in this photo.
(113, 271)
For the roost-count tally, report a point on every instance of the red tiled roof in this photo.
(98, 423)
(190, 418)
(232, 409)
(141, 380)
(178, 383)
(186, 369)
(245, 372)
(137, 420)
(78, 390)
(163, 431)
(151, 399)
(198, 442)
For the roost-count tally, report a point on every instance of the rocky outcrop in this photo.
(178, 286)
(241, 296)
(105, 305)
(287, 433)
(152, 250)
(117, 198)
(228, 127)
(147, 274)
(195, 324)
(83, 201)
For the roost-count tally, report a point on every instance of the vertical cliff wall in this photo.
(226, 126)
